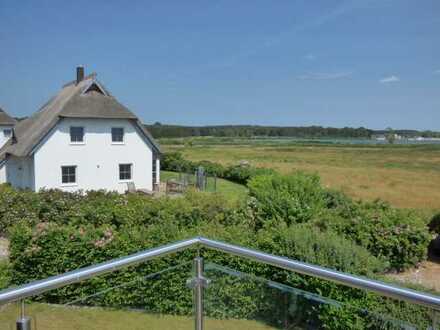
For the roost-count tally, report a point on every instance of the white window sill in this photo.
(69, 184)
(125, 181)
(77, 143)
(118, 143)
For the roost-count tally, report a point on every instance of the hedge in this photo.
(289, 198)
(50, 249)
(175, 162)
(52, 232)
(398, 236)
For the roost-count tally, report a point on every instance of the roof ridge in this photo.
(6, 118)
(69, 102)
(90, 76)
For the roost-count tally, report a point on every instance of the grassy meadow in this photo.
(94, 318)
(234, 192)
(407, 176)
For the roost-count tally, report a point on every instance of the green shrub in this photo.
(290, 198)
(434, 224)
(307, 243)
(174, 161)
(50, 249)
(398, 236)
(373, 313)
(212, 168)
(17, 206)
(241, 174)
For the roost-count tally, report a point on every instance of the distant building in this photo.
(82, 138)
(383, 137)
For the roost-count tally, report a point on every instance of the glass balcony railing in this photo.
(137, 292)
(235, 295)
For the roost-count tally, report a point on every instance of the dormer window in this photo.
(7, 133)
(94, 88)
(117, 135)
(76, 134)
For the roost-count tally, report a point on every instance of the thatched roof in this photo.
(86, 99)
(5, 119)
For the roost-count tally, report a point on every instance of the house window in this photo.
(118, 134)
(125, 171)
(68, 174)
(76, 134)
(7, 132)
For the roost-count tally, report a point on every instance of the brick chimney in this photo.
(79, 74)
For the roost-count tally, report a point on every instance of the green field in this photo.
(406, 176)
(55, 317)
(232, 191)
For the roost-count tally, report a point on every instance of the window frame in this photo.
(7, 130)
(83, 135)
(123, 135)
(120, 172)
(68, 175)
(154, 169)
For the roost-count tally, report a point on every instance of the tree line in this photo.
(159, 130)
(175, 131)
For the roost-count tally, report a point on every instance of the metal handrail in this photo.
(75, 276)
(34, 288)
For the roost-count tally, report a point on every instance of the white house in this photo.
(81, 139)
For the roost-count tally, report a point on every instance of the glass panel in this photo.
(68, 174)
(124, 171)
(257, 303)
(149, 300)
(76, 134)
(117, 134)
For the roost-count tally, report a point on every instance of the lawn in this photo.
(405, 176)
(232, 191)
(92, 318)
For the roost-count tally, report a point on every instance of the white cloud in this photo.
(310, 57)
(389, 79)
(325, 76)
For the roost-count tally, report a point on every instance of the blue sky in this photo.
(333, 63)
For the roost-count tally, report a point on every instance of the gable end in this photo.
(95, 87)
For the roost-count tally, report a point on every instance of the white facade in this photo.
(96, 159)
(19, 172)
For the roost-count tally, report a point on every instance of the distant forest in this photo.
(159, 130)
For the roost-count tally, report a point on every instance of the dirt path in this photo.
(427, 275)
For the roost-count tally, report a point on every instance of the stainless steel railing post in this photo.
(198, 265)
(23, 322)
